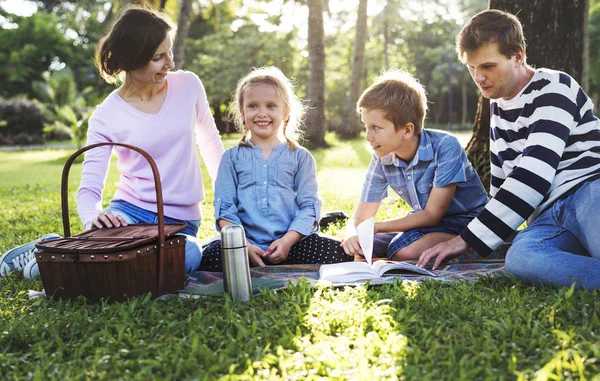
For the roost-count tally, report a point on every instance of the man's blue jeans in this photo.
(562, 246)
(136, 215)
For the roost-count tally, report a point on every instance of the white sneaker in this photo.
(31, 269)
(19, 257)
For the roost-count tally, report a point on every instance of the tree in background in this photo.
(29, 50)
(222, 52)
(183, 26)
(226, 40)
(594, 52)
(316, 125)
(351, 125)
(556, 38)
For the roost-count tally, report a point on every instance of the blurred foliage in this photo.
(22, 122)
(228, 38)
(66, 109)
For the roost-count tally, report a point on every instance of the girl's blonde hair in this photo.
(269, 75)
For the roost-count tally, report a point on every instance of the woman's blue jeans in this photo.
(136, 215)
(562, 246)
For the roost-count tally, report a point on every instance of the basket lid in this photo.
(109, 240)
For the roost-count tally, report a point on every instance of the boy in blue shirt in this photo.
(428, 169)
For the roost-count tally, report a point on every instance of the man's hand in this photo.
(351, 246)
(255, 254)
(443, 252)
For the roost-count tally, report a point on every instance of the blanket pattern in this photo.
(281, 275)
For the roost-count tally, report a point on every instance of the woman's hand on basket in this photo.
(108, 220)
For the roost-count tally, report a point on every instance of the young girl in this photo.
(267, 183)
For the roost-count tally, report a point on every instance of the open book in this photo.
(356, 271)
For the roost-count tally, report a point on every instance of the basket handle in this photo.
(157, 185)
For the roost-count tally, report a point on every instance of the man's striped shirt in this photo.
(544, 143)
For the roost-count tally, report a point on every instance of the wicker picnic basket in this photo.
(115, 263)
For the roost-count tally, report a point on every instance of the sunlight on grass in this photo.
(410, 288)
(345, 335)
(566, 363)
(343, 155)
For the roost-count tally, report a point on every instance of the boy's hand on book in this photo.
(255, 254)
(351, 246)
(443, 252)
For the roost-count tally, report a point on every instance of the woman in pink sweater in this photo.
(166, 114)
(159, 111)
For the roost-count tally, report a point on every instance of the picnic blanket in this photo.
(210, 283)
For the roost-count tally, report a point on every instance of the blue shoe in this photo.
(31, 269)
(19, 257)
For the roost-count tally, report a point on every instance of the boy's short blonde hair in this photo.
(400, 96)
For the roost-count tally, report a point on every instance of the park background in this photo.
(489, 329)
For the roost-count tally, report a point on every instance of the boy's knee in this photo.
(405, 254)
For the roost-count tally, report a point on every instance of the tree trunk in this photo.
(351, 125)
(183, 26)
(386, 34)
(556, 33)
(557, 38)
(315, 118)
(478, 148)
(463, 91)
(163, 4)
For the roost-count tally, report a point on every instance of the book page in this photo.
(347, 272)
(383, 267)
(366, 231)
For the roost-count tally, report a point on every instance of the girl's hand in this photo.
(351, 246)
(278, 251)
(255, 254)
(108, 220)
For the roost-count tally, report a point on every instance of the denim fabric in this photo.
(562, 245)
(136, 215)
(268, 197)
(440, 161)
(398, 241)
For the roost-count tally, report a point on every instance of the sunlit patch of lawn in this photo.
(490, 329)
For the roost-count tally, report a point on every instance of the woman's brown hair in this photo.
(132, 41)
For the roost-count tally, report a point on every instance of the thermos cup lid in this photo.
(233, 236)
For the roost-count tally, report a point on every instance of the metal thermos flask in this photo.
(236, 269)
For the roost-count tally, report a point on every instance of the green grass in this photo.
(491, 329)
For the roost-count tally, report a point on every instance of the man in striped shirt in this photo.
(545, 162)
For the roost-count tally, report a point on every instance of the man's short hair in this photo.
(490, 26)
(400, 96)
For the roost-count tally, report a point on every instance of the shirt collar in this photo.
(424, 153)
(278, 147)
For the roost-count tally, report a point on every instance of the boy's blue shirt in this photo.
(439, 161)
(268, 197)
